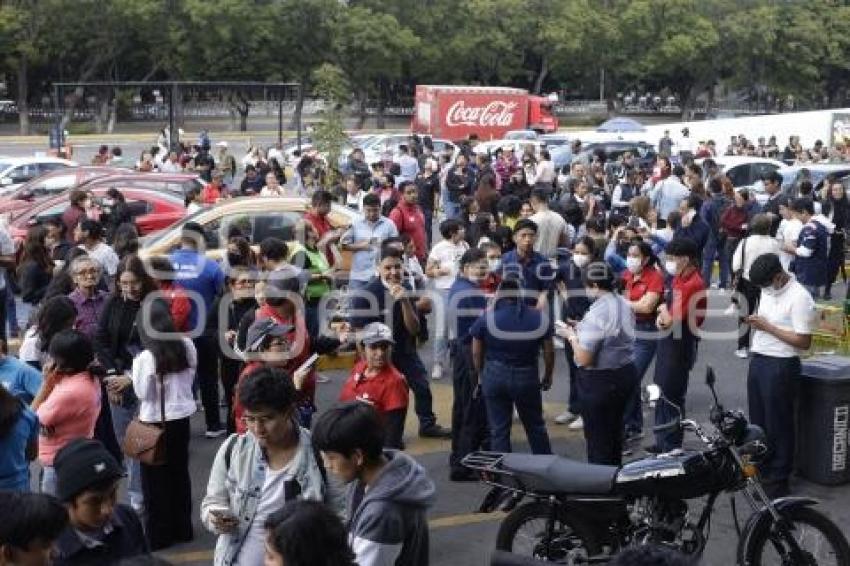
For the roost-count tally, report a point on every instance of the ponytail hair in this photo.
(73, 352)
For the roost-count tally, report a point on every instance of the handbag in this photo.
(146, 442)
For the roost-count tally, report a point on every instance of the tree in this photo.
(329, 133)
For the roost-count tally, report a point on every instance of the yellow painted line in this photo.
(438, 523)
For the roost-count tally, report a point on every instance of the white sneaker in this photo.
(742, 353)
(731, 310)
(322, 378)
(437, 372)
(577, 424)
(565, 418)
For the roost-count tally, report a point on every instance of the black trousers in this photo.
(751, 295)
(604, 396)
(208, 379)
(411, 367)
(3, 292)
(674, 360)
(230, 369)
(771, 389)
(168, 490)
(469, 416)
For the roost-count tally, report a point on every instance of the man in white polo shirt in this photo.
(782, 329)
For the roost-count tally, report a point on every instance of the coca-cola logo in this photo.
(495, 113)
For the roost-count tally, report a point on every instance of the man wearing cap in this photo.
(772, 186)
(386, 298)
(374, 380)
(100, 530)
(214, 190)
(203, 279)
(782, 330)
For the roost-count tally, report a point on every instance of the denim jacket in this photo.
(239, 486)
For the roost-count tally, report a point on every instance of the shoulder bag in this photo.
(145, 442)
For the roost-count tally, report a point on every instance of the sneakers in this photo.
(565, 418)
(577, 424)
(435, 431)
(437, 372)
(742, 353)
(215, 433)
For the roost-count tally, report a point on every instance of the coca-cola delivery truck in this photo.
(455, 112)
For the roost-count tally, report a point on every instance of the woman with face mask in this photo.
(603, 350)
(570, 282)
(643, 290)
(117, 342)
(679, 319)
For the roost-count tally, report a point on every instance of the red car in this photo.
(152, 210)
(49, 185)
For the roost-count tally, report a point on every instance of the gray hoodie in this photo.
(388, 524)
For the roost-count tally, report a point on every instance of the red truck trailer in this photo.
(455, 112)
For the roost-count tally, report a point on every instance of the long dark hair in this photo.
(136, 266)
(36, 250)
(10, 410)
(55, 315)
(73, 352)
(169, 354)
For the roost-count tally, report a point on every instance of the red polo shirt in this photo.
(409, 219)
(210, 194)
(649, 280)
(688, 296)
(386, 391)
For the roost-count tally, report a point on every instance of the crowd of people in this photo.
(609, 262)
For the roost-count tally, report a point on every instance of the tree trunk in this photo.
(361, 109)
(541, 75)
(243, 117)
(23, 95)
(299, 102)
(112, 121)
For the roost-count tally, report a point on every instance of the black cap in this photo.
(263, 328)
(81, 464)
(764, 269)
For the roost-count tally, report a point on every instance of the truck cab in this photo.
(541, 118)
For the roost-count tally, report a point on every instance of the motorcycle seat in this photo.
(554, 474)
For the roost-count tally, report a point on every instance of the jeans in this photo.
(48, 480)
(413, 370)
(207, 377)
(24, 311)
(121, 416)
(771, 384)
(452, 209)
(673, 363)
(505, 386)
(604, 394)
(573, 404)
(429, 225)
(441, 337)
(644, 353)
(714, 248)
(814, 290)
(469, 417)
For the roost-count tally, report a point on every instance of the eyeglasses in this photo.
(90, 271)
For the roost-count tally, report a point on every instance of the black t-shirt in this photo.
(428, 188)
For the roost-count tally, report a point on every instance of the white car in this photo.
(747, 172)
(15, 171)
(490, 147)
(385, 147)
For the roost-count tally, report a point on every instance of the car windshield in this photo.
(157, 236)
(5, 165)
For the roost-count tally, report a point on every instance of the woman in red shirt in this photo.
(374, 380)
(680, 320)
(643, 290)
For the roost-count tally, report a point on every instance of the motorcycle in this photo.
(583, 513)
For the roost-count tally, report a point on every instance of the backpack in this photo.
(228, 456)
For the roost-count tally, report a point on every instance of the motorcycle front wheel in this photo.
(818, 537)
(525, 532)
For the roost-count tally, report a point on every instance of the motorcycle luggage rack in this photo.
(485, 462)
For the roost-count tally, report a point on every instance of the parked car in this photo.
(256, 218)
(644, 152)
(747, 172)
(817, 172)
(15, 171)
(522, 135)
(48, 185)
(490, 147)
(385, 147)
(556, 140)
(151, 209)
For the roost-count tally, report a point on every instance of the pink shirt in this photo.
(69, 412)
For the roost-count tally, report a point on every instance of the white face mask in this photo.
(671, 266)
(494, 264)
(634, 264)
(581, 260)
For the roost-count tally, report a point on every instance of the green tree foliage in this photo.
(329, 133)
(385, 47)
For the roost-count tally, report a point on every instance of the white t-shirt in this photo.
(750, 248)
(273, 497)
(105, 256)
(179, 400)
(550, 226)
(30, 349)
(792, 309)
(267, 191)
(447, 254)
(788, 233)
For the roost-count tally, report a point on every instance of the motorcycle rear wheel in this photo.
(523, 532)
(816, 534)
